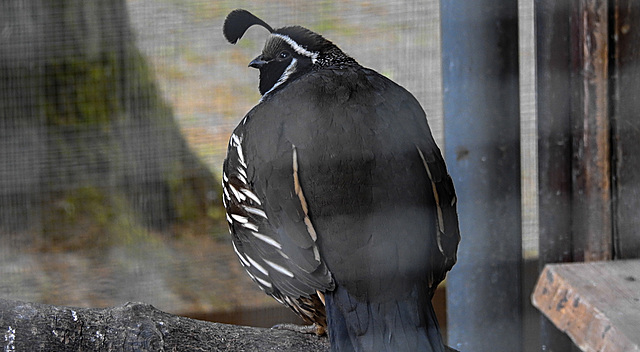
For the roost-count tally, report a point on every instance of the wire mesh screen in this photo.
(114, 118)
(208, 81)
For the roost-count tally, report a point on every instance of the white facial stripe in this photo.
(285, 75)
(297, 47)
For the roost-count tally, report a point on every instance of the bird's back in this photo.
(368, 167)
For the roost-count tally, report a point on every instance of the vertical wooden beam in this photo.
(574, 137)
(625, 87)
(554, 130)
(592, 216)
(553, 81)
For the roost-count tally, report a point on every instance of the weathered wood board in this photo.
(597, 304)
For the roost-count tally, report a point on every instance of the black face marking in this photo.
(283, 55)
(280, 62)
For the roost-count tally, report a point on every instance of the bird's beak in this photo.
(258, 62)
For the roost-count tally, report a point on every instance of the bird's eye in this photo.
(283, 54)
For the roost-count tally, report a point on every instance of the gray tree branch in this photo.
(134, 327)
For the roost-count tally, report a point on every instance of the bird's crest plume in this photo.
(237, 23)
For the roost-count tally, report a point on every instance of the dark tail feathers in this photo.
(407, 324)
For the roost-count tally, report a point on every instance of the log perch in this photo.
(134, 327)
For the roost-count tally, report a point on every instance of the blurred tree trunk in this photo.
(87, 144)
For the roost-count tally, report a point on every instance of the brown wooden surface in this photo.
(597, 304)
(591, 155)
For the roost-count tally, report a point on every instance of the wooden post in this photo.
(591, 164)
(625, 85)
(554, 145)
(577, 178)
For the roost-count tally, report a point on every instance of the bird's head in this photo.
(288, 53)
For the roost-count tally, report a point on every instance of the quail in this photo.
(337, 197)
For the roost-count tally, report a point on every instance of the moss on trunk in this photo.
(105, 158)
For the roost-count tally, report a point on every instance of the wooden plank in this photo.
(597, 304)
